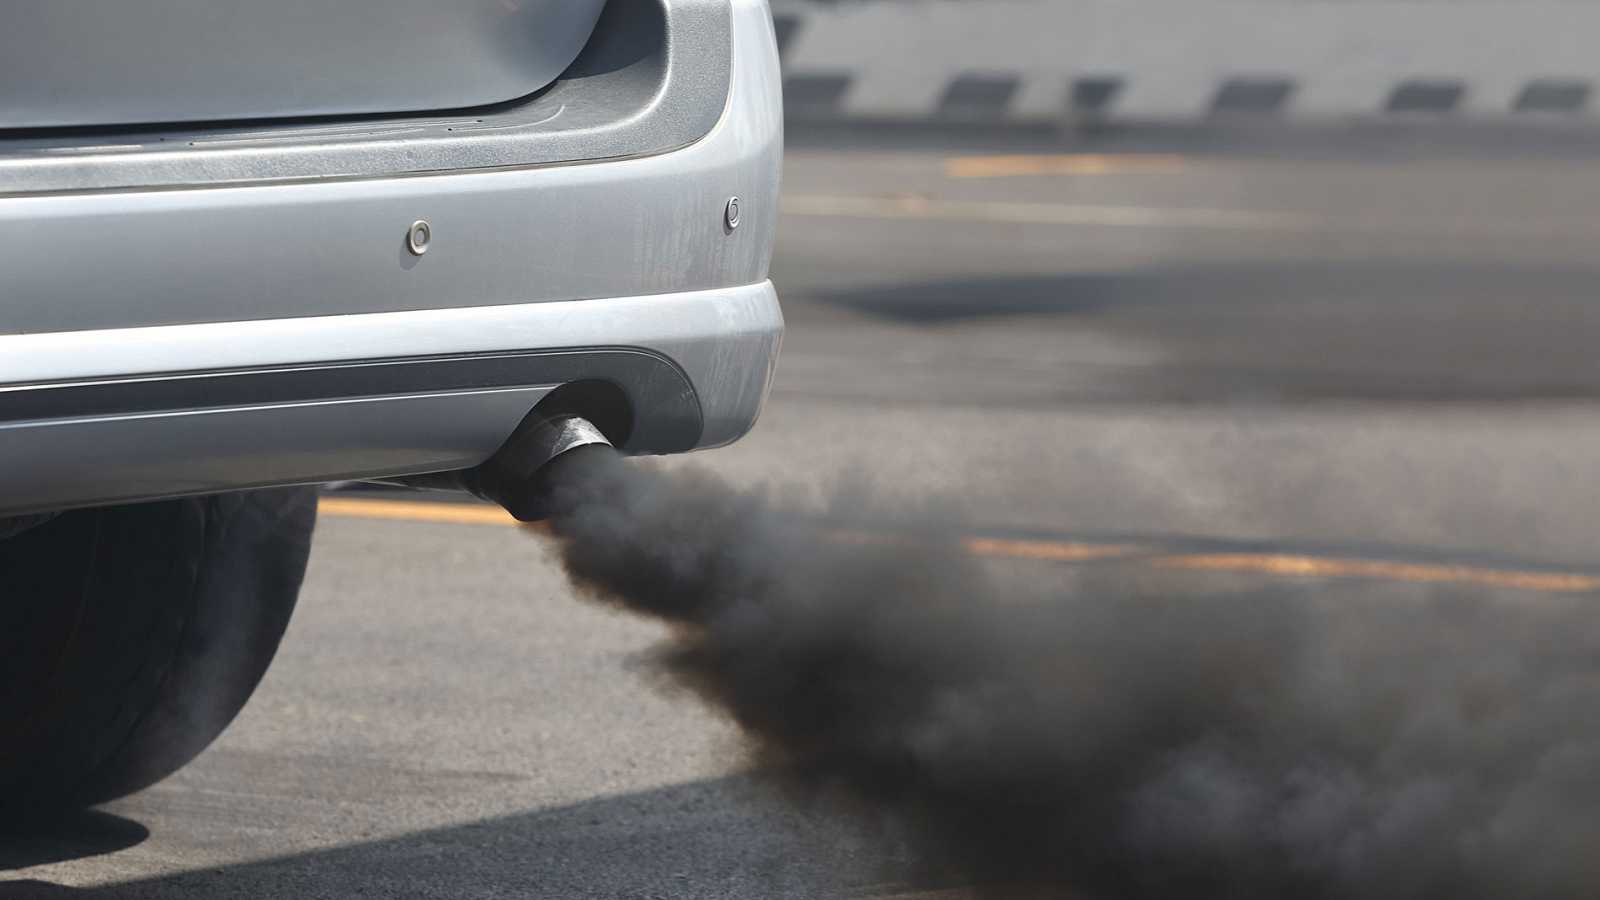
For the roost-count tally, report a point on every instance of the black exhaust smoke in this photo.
(1120, 745)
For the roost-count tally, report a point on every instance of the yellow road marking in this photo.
(926, 207)
(1014, 165)
(414, 511)
(1279, 564)
(1051, 551)
(1333, 567)
(922, 206)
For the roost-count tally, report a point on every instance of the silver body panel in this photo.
(118, 287)
(97, 62)
(607, 229)
(653, 78)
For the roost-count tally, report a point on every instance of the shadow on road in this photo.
(1230, 137)
(32, 842)
(728, 837)
(1424, 331)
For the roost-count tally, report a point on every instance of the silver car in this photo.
(246, 246)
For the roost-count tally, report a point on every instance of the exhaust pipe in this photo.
(518, 475)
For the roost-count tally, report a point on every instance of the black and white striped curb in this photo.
(1050, 60)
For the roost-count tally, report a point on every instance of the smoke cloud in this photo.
(1122, 744)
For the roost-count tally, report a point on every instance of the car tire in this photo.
(130, 636)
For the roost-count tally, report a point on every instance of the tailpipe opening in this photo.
(522, 474)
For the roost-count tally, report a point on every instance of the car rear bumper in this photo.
(172, 341)
(345, 397)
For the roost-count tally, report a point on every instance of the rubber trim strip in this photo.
(667, 415)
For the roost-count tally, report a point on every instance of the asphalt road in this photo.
(1366, 372)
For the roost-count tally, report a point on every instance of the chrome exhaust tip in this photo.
(518, 475)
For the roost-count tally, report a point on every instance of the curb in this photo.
(1073, 61)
